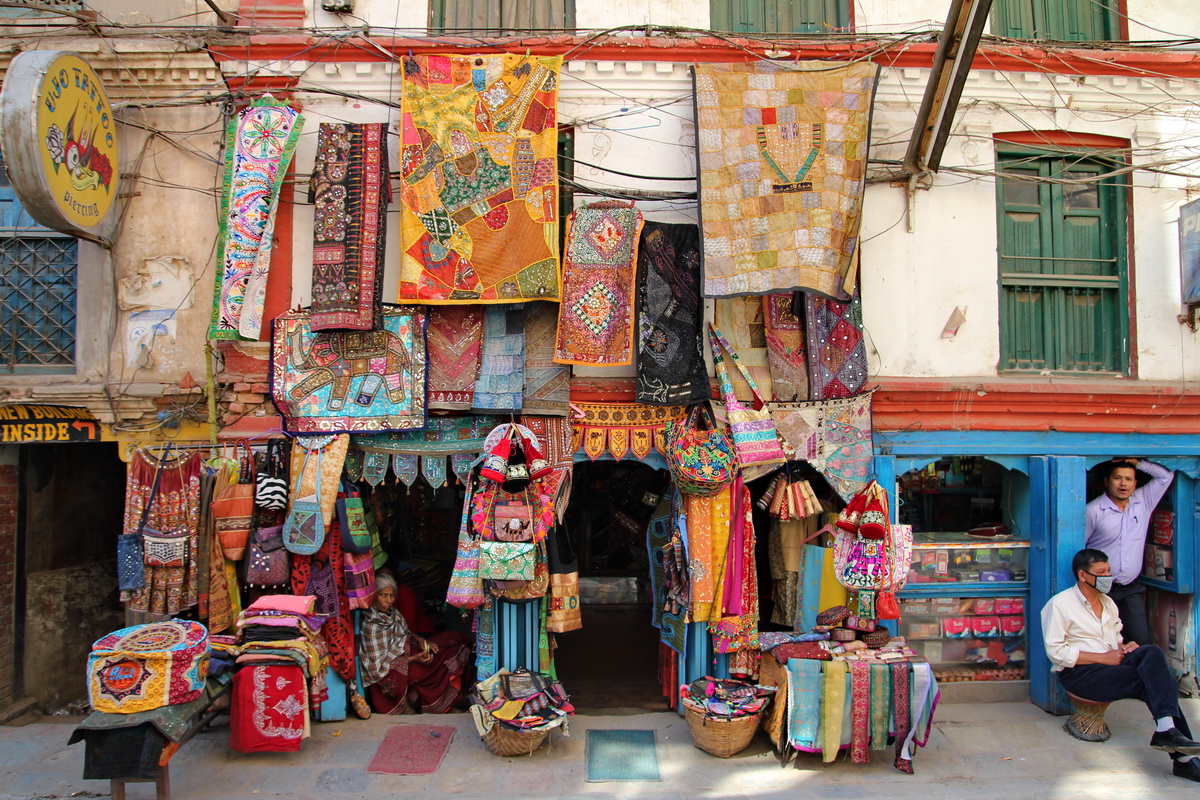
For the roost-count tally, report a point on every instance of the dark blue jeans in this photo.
(1141, 675)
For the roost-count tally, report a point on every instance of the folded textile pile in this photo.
(521, 700)
(725, 699)
(282, 629)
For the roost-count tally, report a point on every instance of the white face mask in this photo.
(1103, 584)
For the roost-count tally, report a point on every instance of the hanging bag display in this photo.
(304, 530)
(507, 561)
(754, 438)
(466, 586)
(233, 508)
(360, 579)
(514, 521)
(271, 487)
(164, 548)
(356, 537)
(862, 563)
(267, 562)
(131, 552)
(699, 453)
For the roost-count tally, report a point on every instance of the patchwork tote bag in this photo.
(352, 520)
(699, 453)
(466, 587)
(233, 508)
(754, 437)
(304, 529)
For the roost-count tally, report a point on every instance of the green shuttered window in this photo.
(779, 16)
(1061, 20)
(1063, 272)
(498, 17)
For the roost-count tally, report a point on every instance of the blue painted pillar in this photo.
(1056, 516)
(885, 475)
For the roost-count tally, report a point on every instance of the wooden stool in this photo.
(1087, 720)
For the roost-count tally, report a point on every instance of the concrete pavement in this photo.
(1000, 750)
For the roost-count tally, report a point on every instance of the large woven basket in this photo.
(720, 737)
(503, 741)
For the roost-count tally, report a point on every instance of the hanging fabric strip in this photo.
(485, 641)
(375, 467)
(259, 144)
(502, 367)
(833, 703)
(901, 702)
(351, 191)
(805, 689)
(434, 470)
(837, 350)
(354, 465)
(547, 384)
(881, 705)
(620, 428)
(460, 465)
(455, 348)
(405, 465)
(442, 436)
(785, 348)
(860, 711)
(555, 436)
(834, 436)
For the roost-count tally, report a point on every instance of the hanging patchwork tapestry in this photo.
(502, 365)
(670, 361)
(547, 385)
(834, 436)
(443, 436)
(595, 318)
(745, 326)
(479, 179)
(350, 382)
(837, 350)
(455, 346)
(556, 438)
(782, 152)
(785, 347)
(621, 428)
(259, 143)
(351, 192)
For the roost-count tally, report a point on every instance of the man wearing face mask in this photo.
(1117, 522)
(1082, 633)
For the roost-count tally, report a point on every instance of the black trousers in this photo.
(1131, 605)
(1142, 675)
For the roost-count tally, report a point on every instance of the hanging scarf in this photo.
(670, 362)
(351, 191)
(901, 700)
(860, 710)
(785, 348)
(259, 143)
(881, 705)
(804, 702)
(834, 701)
(837, 351)
(737, 626)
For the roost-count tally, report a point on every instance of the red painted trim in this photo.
(1008, 58)
(270, 13)
(279, 283)
(1061, 139)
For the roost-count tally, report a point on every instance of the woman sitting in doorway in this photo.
(403, 672)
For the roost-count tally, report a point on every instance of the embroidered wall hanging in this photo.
(443, 436)
(479, 176)
(547, 384)
(351, 193)
(502, 365)
(455, 346)
(785, 347)
(621, 428)
(670, 360)
(556, 437)
(350, 382)
(782, 152)
(834, 436)
(259, 143)
(837, 351)
(744, 323)
(595, 318)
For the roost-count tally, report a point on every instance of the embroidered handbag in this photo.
(516, 478)
(699, 453)
(360, 579)
(267, 562)
(233, 508)
(466, 587)
(356, 538)
(754, 438)
(131, 550)
(507, 561)
(514, 522)
(271, 487)
(161, 550)
(304, 530)
(520, 591)
(322, 584)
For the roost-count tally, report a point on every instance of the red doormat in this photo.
(412, 750)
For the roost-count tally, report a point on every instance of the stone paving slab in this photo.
(1000, 750)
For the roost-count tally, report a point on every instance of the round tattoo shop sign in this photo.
(59, 140)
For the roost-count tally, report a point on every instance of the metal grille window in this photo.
(1063, 272)
(500, 17)
(779, 16)
(1060, 20)
(37, 291)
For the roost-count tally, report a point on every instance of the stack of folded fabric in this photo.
(843, 636)
(523, 700)
(725, 699)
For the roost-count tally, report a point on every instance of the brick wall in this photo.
(8, 577)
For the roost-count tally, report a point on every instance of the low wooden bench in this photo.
(1087, 720)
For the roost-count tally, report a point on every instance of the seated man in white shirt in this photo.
(1082, 632)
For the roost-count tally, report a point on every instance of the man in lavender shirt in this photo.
(1117, 522)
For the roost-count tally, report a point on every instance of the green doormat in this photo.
(621, 756)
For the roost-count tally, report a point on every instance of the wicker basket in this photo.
(720, 737)
(503, 741)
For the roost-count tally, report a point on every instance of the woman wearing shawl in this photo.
(403, 672)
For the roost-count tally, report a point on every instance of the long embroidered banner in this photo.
(782, 151)
(785, 347)
(444, 436)
(479, 175)
(351, 191)
(547, 385)
(259, 143)
(834, 436)
(621, 428)
(455, 341)
(350, 382)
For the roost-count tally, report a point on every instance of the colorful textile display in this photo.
(837, 357)
(547, 384)
(595, 318)
(269, 709)
(502, 368)
(350, 382)
(556, 437)
(444, 436)
(782, 150)
(174, 515)
(786, 353)
(479, 175)
(834, 436)
(322, 574)
(259, 143)
(804, 703)
(670, 360)
(148, 666)
(743, 322)
(455, 342)
(754, 436)
(734, 622)
(621, 428)
(351, 191)
(314, 456)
